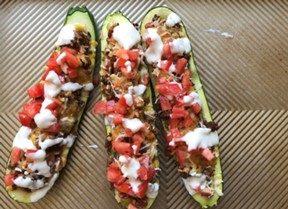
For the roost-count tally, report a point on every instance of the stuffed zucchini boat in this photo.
(51, 118)
(126, 102)
(189, 130)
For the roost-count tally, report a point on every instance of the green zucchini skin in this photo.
(110, 19)
(163, 12)
(74, 15)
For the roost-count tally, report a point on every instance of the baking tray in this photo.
(246, 83)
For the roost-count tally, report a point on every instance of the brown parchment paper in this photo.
(246, 83)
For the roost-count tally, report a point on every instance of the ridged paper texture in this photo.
(245, 79)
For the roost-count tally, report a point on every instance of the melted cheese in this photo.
(154, 52)
(133, 124)
(22, 140)
(45, 119)
(180, 45)
(172, 19)
(126, 35)
(66, 35)
(200, 138)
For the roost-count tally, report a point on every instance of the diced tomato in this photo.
(36, 91)
(180, 65)
(168, 89)
(69, 50)
(130, 206)
(32, 108)
(122, 101)
(164, 103)
(100, 107)
(186, 82)
(128, 132)
(122, 53)
(124, 188)
(143, 173)
(55, 128)
(174, 128)
(142, 189)
(148, 41)
(114, 175)
(133, 55)
(16, 155)
(71, 60)
(168, 138)
(165, 64)
(52, 64)
(110, 106)
(121, 62)
(118, 119)
(178, 112)
(144, 160)
(196, 107)
(118, 108)
(187, 122)
(25, 119)
(161, 80)
(208, 154)
(72, 73)
(8, 179)
(181, 156)
(52, 106)
(166, 52)
(137, 138)
(126, 73)
(123, 148)
(151, 174)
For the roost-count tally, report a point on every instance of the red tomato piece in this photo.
(32, 108)
(169, 89)
(208, 154)
(181, 156)
(128, 132)
(137, 138)
(168, 138)
(71, 60)
(122, 101)
(133, 55)
(187, 122)
(114, 175)
(25, 119)
(118, 119)
(100, 107)
(110, 106)
(123, 148)
(121, 62)
(126, 73)
(130, 206)
(72, 73)
(9, 179)
(196, 107)
(166, 52)
(151, 174)
(69, 50)
(16, 155)
(186, 82)
(125, 188)
(142, 189)
(118, 108)
(53, 65)
(165, 64)
(143, 173)
(174, 128)
(36, 91)
(52, 106)
(122, 53)
(144, 160)
(178, 112)
(148, 41)
(55, 128)
(180, 65)
(164, 103)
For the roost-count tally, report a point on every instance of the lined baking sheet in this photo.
(245, 78)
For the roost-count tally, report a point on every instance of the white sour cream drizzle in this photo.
(172, 19)
(180, 45)
(154, 51)
(22, 140)
(133, 124)
(126, 35)
(152, 191)
(137, 90)
(45, 118)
